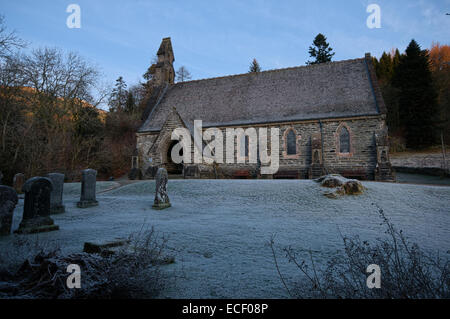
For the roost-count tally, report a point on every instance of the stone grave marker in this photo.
(18, 181)
(161, 198)
(88, 181)
(36, 209)
(8, 201)
(56, 204)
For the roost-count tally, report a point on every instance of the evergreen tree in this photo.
(130, 104)
(417, 96)
(395, 59)
(321, 50)
(385, 68)
(254, 67)
(118, 96)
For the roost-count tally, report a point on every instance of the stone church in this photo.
(331, 119)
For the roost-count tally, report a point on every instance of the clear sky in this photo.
(217, 38)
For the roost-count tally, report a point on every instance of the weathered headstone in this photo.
(8, 201)
(56, 205)
(36, 209)
(135, 173)
(161, 197)
(88, 181)
(18, 181)
(151, 172)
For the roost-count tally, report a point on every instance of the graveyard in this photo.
(218, 231)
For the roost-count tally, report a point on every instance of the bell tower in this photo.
(162, 71)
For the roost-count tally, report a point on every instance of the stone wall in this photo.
(360, 162)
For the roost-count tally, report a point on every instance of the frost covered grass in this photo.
(218, 229)
(406, 271)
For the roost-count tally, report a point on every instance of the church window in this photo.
(344, 140)
(291, 143)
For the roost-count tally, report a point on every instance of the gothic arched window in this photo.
(291, 143)
(344, 140)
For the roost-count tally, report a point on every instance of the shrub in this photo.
(406, 271)
(133, 271)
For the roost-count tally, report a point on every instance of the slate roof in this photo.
(329, 90)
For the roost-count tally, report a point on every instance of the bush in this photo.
(133, 271)
(406, 271)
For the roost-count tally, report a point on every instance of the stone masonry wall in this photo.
(362, 156)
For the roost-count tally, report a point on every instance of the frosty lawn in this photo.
(218, 230)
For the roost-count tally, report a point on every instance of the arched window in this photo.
(291, 143)
(344, 140)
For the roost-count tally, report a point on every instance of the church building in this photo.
(330, 116)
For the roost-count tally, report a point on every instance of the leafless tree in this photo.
(8, 40)
(183, 74)
(41, 93)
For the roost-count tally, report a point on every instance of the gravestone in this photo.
(56, 205)
(151, 172)
(18, 181)
(36, 209)
(161, 197)
(135, 173)
(88, 181)
(8, 201)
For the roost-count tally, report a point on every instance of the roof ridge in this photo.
(271, 71)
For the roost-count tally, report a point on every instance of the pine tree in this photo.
(417, 96)
(118, 96)
(321, 50)
(385, 68)
(254, 67)
(396, 59)
(130, 104)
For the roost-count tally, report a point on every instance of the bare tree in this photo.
(8, 39)
(183, 74)
(40, 95)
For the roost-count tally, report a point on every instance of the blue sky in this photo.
(217, 38)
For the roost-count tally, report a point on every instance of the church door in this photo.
(173, 168)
